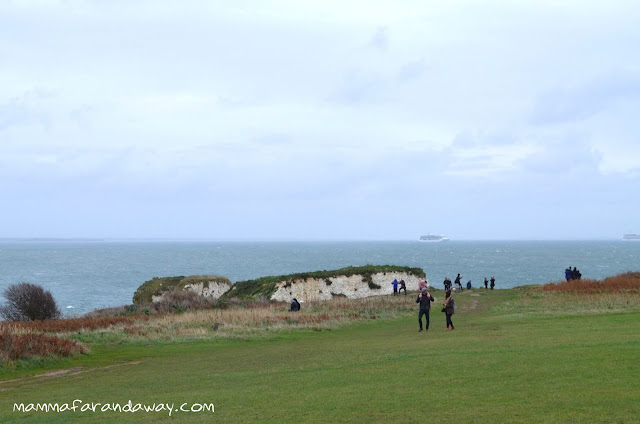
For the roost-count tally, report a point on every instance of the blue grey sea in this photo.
(86, 275)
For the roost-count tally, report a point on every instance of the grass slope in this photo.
(495, 367)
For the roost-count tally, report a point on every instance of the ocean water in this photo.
(86, 275)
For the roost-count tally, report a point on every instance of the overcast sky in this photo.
(313, 120)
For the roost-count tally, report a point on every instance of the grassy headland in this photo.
(519, 355)
(266, 286)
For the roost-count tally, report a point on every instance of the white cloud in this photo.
(320, 103)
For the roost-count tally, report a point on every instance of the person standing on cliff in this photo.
(403, 286)
(493, 282)
(486, 283)
(424, 299)
(395, 287)
(458, 281)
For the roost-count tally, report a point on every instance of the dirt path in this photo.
(30, 380)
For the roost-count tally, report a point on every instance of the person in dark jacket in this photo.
(295, 305)
(403, 286)
(424, 299)
(575, 274)
(493, 282)
(447, 283)
(486, 283)
(449, 306)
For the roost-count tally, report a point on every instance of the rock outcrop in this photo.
(351, 282)
(209, 286)
(353, 286)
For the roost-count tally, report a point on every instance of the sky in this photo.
(320, 120)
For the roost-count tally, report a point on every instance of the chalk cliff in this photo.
(353, 286)
(209, 286)
(351, 282)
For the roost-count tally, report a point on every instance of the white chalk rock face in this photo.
(210, 290)
(353, 287)
(213, 291)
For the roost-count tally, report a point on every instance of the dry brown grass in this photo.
(64, 325)
(627, 282)
(256, 318)
(20, 346)
(233, 319)
(620, 293)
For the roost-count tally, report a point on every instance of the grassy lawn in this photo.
(499, 365)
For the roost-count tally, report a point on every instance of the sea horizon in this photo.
(86, 274)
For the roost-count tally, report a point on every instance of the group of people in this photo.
(458, 283)
(402, 284)
(425, 298)
(572, 274)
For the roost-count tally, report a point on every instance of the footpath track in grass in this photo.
(493, 368)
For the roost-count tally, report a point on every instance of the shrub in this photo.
(28, 302)
(19, 346)
(180, 301)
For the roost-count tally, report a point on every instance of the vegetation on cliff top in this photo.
(266, 286)
(156, 286)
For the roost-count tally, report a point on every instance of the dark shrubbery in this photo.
(28, 302)
(373, 286)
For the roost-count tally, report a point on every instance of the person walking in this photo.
(424, 299)
(395, 287)
(403, 286)
(493, 282)
(449, 306)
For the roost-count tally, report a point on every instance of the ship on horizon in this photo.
(433, 238)
(631, 236)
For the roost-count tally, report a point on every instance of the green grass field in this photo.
(501, 364)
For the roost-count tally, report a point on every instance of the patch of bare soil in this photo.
(30, 380)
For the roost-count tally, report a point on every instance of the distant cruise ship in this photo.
(433, 237)
(631, 237)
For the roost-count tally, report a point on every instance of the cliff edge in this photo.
(351, 282)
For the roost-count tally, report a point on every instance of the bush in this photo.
(180, 301)
(20, 346)
(28, 302)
